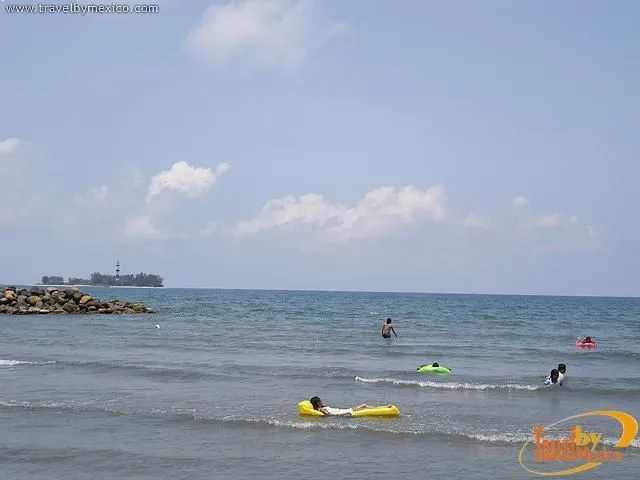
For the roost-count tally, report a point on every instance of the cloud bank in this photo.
(392, 211)
(378, 213)
(134, 208)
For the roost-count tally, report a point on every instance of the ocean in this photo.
(213, 393)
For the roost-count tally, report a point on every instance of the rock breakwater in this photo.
(36, 300)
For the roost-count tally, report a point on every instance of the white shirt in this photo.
(338, 411)
(559, 382)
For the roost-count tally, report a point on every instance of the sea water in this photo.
(213, 393)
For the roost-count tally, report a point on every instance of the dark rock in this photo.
(52, 289)
(77, 296)
(69, 307)
(11, 288)
(37, 291)
(94, 303)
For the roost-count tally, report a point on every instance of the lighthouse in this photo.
(117, 271)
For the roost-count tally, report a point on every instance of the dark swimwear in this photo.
(386, 335)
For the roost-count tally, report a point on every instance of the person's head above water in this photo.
(562, 368)
(316, 402)
(388, 321)
(587, 339)
(435, 364)
(554, 375)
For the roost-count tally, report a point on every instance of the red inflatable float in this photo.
(586, 343)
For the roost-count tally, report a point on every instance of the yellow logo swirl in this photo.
(629, 431)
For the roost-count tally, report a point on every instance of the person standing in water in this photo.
(553, 378)
(387, 328)
(562, 370)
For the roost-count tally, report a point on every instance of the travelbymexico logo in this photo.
(582, 449)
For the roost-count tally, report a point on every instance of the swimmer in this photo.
(553, 378)
(387, 328)
(335, 412)
(434, 365)
(562, 370)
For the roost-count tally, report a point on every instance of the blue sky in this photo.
(396, 146)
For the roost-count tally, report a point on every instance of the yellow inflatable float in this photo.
(305, 408)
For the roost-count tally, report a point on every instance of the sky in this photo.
(451, 146)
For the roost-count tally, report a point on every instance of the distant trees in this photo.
(52, 280)
(138, 280)
(100, 279)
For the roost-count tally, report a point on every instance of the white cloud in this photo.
(376, 214)
(387, 211)
(274, 33)
(528, 219)
(552, 232)
(476, 221)
(142, 228)
(183, 178)
(521, 202)
(123, 197)
(9, 146)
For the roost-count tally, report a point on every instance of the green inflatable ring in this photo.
(431, 369)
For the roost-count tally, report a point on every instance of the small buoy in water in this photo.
(157, 325)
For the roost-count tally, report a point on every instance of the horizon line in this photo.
(342, 291)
